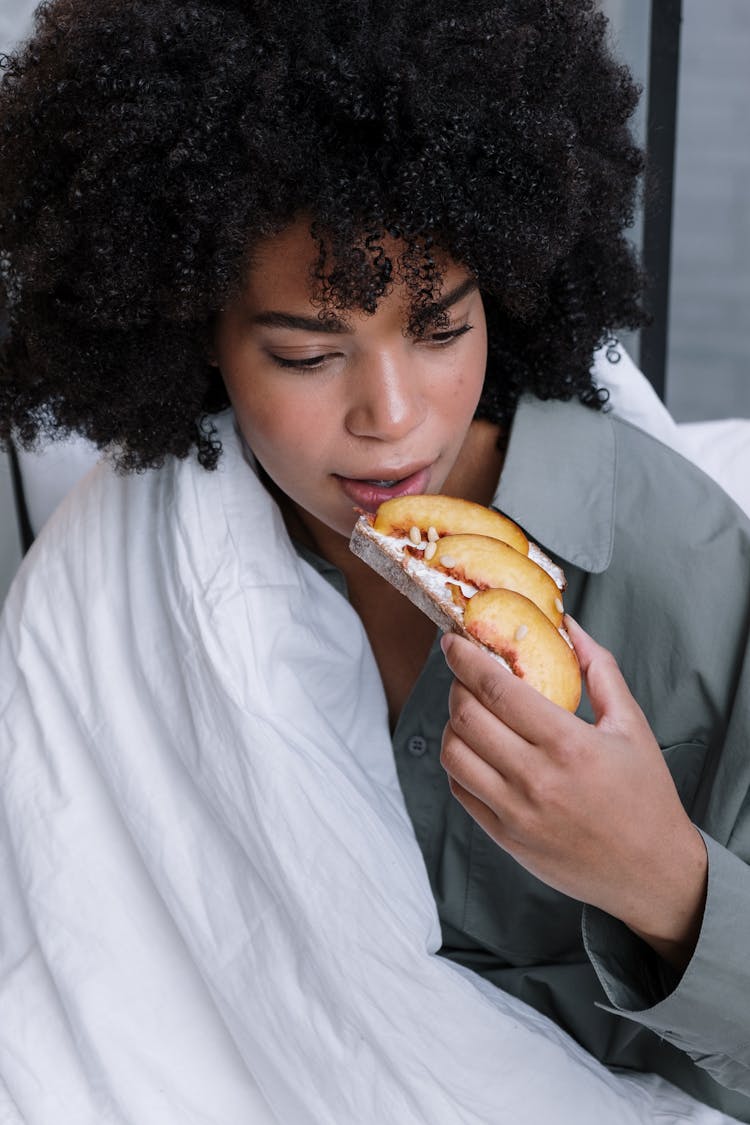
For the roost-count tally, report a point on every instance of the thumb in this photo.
(607, 691)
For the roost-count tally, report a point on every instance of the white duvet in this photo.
(214, 909)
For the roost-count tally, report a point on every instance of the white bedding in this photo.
(214, 907)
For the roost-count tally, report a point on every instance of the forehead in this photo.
(288, 267)
(283, 262)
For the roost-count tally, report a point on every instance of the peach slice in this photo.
(448, 516)
(516, 629)
(490, 563)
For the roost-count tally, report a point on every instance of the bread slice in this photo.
(429, 590)
(505, 622)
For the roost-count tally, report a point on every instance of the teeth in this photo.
(383, 483)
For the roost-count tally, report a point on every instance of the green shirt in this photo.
(658, 566)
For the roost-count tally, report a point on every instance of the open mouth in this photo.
(369, 493)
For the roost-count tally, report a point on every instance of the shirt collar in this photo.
(558, 480)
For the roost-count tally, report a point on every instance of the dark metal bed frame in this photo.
(661, 135)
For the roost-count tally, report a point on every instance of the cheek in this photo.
(266, 426)
(470, 376)
(279, 427)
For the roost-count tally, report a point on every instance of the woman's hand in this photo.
(589, 809)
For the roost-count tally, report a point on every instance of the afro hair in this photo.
(147, 145)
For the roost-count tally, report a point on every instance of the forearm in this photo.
(704, 1011)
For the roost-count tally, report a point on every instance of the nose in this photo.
(386, 401)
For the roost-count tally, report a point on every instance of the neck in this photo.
(477, 470)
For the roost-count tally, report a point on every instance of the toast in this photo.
(473, 571)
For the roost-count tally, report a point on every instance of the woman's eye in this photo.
(440, 339)
(306, 364)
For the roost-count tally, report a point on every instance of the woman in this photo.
(391, 238)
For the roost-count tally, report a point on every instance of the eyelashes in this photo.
(310, 363)
(440, 339)
(437, 340)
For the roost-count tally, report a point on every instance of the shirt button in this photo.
(417, 745)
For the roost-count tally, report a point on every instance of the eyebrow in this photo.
(453, 296)
(334, 324)
(304, 323)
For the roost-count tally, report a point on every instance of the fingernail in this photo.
(445, 642)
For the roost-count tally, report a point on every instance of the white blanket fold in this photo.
(214, 909)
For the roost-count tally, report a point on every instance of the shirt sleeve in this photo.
(705, 1011)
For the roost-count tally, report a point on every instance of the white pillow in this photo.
(631, 396)
(720, 448)
(49, 474)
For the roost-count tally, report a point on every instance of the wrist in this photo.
(669, 918)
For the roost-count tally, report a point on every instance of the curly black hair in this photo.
(147, 145)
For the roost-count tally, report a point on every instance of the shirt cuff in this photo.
(704, 1011)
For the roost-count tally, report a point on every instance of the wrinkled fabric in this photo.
(214, 906)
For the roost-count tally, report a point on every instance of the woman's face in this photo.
(345, 414)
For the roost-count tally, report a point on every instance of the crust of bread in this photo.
(550, 669)
(389, 562)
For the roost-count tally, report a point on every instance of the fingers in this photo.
(525, 711)
(607, 690)
(478, 810)
(504, 695)
(470, 770)
(481, 730)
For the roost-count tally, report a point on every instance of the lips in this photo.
(371, 493)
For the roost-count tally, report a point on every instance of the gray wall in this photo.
(10, 547)
(708, 363)
(708, 374)
(15, 18)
